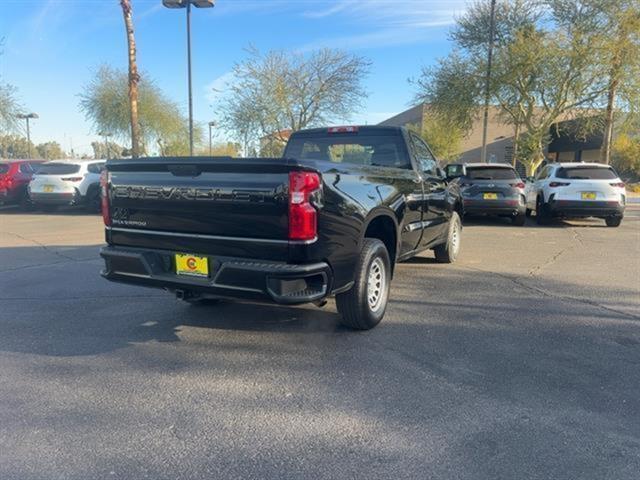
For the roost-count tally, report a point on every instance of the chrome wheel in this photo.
(455, 238)
(376, 285)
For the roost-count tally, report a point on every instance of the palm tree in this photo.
(134, 78)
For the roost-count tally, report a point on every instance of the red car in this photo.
(15, 175)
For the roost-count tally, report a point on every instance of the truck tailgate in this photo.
(221, 206)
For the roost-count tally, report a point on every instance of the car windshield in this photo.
(58, 169)
(374, 150)
(491, 173)
(587, 173)
(4, 168)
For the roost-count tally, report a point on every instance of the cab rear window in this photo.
(58, 169)
(587, 173)
(491, 173)
(374, 150)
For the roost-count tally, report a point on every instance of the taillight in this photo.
(71, 179)
(617, 184)
(104, 197)
(343, 130)
(303, 221)
(559, 184)
(517, 185)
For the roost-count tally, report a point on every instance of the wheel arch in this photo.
(383, 225)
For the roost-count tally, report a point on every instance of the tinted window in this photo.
(375, 150)
(25, 168)
(544, 173)
(95, 167)
(491, 173)
(587, 173)
(424, 157)
(58, 169)
(4, 167)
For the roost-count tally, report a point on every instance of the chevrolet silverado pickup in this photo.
(331, 218)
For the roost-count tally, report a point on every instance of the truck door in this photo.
(434, 203)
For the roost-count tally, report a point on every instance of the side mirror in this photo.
(454, 171)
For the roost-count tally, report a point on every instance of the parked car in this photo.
(67, 182)
(15, 175)
(490, 189)
(577, 190)
(331, 218)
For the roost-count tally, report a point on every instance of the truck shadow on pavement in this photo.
(60, 306)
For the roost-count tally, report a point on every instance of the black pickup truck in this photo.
(330, 218)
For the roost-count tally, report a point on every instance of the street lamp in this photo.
(26, 117)
(187, 4)
(105, 136)
(211, 125)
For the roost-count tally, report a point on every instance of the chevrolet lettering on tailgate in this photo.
(193, 193)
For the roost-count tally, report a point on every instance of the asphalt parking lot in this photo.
(522, 361)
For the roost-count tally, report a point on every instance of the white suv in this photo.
(67, 182)
(577, 190)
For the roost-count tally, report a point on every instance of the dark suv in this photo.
(490, 189)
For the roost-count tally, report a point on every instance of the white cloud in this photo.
(216, 88)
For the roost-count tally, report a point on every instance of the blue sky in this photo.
(52, 48)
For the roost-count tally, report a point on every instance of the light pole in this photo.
(26, 117)
(187, 4)
(105, 136)
(211, 125)
(492, 27)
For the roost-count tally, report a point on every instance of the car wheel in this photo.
(528, 212)
(448, 251)
(613, 221)
(363, 306)
(519, 220)
(542, 212)
(94, 202)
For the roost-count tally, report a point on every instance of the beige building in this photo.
(500, 138)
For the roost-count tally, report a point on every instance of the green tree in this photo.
(102, 150)
(9, 105)
(50, 151)
(282, 91)
(443, 136)
(105, 102)
(14, 146)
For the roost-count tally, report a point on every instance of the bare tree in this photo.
(134, 78)
(283, 91)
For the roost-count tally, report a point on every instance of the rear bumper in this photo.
(508, 206)
(576, 208)
(230, 277)
(66, 198)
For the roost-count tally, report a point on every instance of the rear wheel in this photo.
(613, 221)
(363, 306)
(543, 216)
(94, 202)
(519, 220)
(528, 212)
(448, 251)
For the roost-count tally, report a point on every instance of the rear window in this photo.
(374, 150)
(4, 167)
(58, 169)
(587, 173)
(491, 173)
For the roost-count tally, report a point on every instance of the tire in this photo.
(613, 221)
(519, 220)
(363, 306)
(542, 212)
(93, 202)
(527, 212)
(448, 251)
